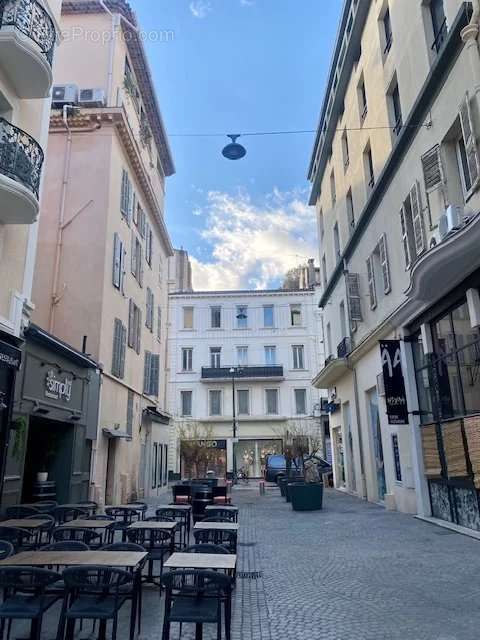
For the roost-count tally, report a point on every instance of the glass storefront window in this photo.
(470, 377)
(250, 455)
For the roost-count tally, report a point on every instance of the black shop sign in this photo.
(213, 444)
(395, 397)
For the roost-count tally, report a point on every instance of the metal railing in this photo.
(440, 37)
(267, 371)
(344, 348)
(31, 19)
(21, 157)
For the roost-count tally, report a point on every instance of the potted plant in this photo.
(48, 455)
(308, 495)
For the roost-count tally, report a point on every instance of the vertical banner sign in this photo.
(395, 398)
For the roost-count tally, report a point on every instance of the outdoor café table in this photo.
(185, 510)
(223, 507)
(154, 525)
(226, 562)
(104, 525)
(121, 559)
(34, 525)
(219, 526)
(89, 508)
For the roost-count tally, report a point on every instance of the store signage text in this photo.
(58, 388)
(9, 356)
(395, 396)
(213, 444)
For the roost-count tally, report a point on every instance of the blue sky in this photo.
(235, 66)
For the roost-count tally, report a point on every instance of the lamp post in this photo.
(234, 424)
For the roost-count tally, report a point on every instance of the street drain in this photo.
(246, 544)
(249, 575)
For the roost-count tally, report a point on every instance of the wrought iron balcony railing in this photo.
(21, 157)
(31, 19)
(269, 371)
(344, 348)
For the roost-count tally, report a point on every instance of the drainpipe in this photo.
(469, 35)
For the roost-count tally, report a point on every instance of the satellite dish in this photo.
(234, 151)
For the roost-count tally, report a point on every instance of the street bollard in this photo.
(261, 486)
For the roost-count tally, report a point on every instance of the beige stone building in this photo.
(102, 268)
(29, 35)
(395, 177)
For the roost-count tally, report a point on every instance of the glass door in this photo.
(377, 443)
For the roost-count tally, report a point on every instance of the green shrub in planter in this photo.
(306, 496)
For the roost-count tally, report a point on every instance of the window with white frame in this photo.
(350, 211)
(300, 401)
(296, 315)
(215, 353)
(215, 317)
(378, 272)
(362, 99)
(186, 402)
(268, 316)
(242, 356)
(118, 271)
(215, 402)
(136, 259)
(134, 326)
(150, 307)
(159, 323)
(329, 340)
(345, 149)
(333, 188)
(336, 242)
(321, 225)
(127, 197)
(188, 317)
(243, 402)
(270, 355)
(368, 166)
(412, 227)
(187, 358)
(298, 356)
(242, 317)
(387, 31)
(271, 401)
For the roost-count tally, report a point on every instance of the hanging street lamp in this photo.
(234, 150)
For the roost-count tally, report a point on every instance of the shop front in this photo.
(53, 424)
(446, 355)
(154, 451)
(10, 359)
(198, 457)
(250, 455)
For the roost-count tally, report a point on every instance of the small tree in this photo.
(291, 280)
(299, 444)
(195, 454)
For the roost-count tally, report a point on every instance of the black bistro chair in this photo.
(218, 512)
(93, 593)
(196, 597)
(67, 545)
(6, 549)
(89, 505)
(217, 519)
(131, 590)
(20, 511)
(158, 544)
(21, 539)
(64, 513)
(227, 539)
(141, 507)
(44, 532)
(181, 517)
(124, 517)
(206, 548)
(77, 534)
(26, 597)
(181, 493)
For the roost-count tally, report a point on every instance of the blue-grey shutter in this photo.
(159, 323)
(130, 412)
(117, 327)
(155, 375)
(152, 310)
(125, 194)
(117, 261)
(123, 349)
(131, 324)
(139, 330)
(133, 258)
(147, 372)
(140, 266)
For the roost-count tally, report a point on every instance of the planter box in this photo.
(282, 483)
(306, 497)
(292, 483)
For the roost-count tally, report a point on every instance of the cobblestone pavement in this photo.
(350, 572)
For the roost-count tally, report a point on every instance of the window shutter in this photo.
(469, 139)
(405, 241)
(123, 254)
(354, 300)
(159, 323)
(146, 372)
(152, 310)
(387, 287)
(124, 194)
(130, 412)
(132, 204)
(131, 324)
(139, 330)
(135, 211)
(417, 217)
(117, 325)
(154, 374)
(133, 259)
(140, 266)
(371, 282)
(123, 349)
(432, 169)
(117, 261)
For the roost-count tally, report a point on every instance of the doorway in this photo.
(110, 475)
(338, 458)
(372, 399)
(347, 423)
(49, 449)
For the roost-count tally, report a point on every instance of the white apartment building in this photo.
(29, 35)
(395, 176)
(266, 346)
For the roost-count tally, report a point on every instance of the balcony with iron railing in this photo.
(344, 348)
(21, 160)
(27, 44)
(247, 372)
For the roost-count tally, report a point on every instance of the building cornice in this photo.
(116, 117)
(140, 64)
(242, 292)
(431, 87)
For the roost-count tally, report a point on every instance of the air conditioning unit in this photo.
(451, 220)
(64, 94)
(92, 98)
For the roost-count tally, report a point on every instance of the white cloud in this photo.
(254, 245)
(200, 8)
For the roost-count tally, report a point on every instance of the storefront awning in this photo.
(116, 433)
(157, 416)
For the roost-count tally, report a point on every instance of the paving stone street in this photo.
(353, 571)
